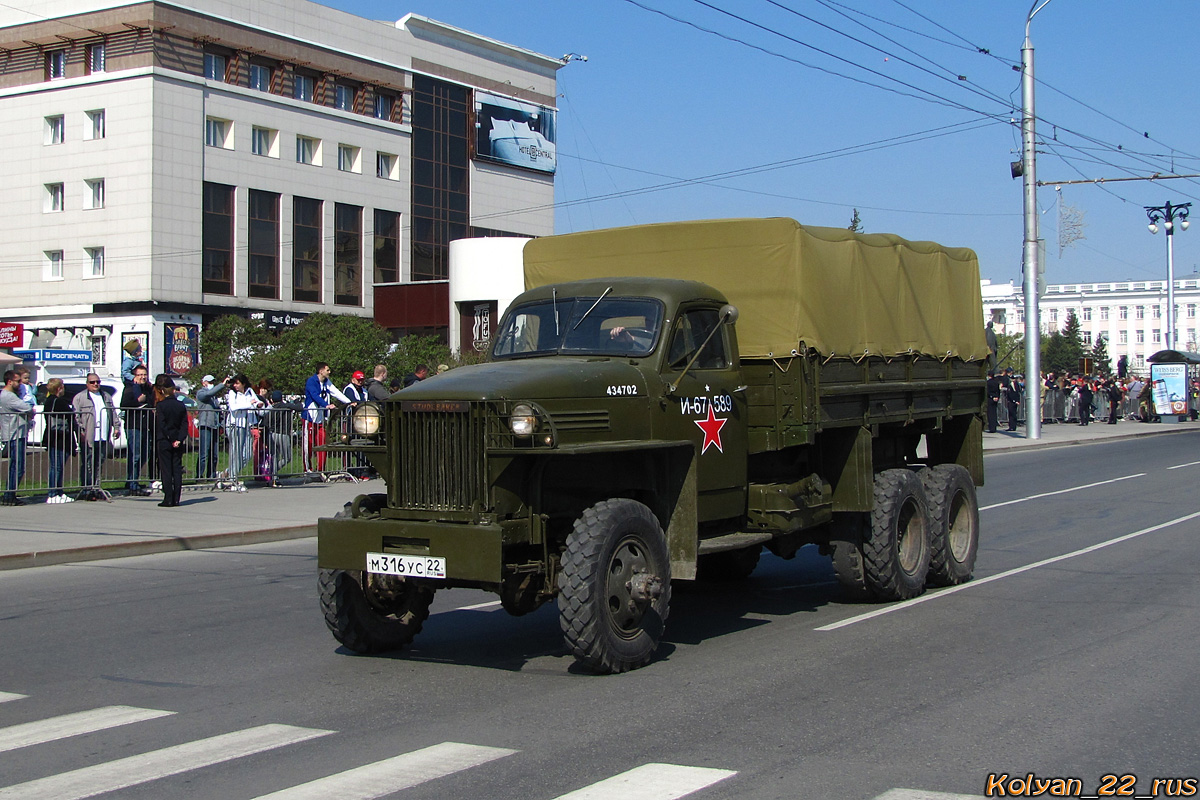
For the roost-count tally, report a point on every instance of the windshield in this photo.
(614, 326)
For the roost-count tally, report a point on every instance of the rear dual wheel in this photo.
(954, 521)
(896, 549)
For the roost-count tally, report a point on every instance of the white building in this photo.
(166, 163)
(1131, 315)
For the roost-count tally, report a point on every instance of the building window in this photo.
(99, 348)
(260, 77)
(95, 126)
(56, 65)
(1123, 312)
(95, 58)
(1158, 312)
(217, 235)
(1103, 313)
(54, 198)
(218, 133)
(214, 67)
(343, 97)
(1141, 337)
(95, 260)
(349, 158)
(56, 129)
(53, 268)
(387, 246)
(264, 142)
(1155, 336)
(384, 103)
(1087, 315)
(306, 249)
(1054, 315)
(1191, 310)
(1123, 337)
(387, 166)
(308, 151)
(95, 193)
(441, 168)
(347, 255)
(263, 245)
(1139, 312)
(302, 87)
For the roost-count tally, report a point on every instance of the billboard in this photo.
(12, 334)
(512, 132)
(182, 348)
(1170, 388)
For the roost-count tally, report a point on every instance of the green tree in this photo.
(346, 343)
(1061, 350)
(1010, 352)
(1101, 362)
(229, 345)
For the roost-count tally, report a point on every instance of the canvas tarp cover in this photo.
(838, 292)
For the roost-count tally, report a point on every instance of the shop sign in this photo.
(12, 334)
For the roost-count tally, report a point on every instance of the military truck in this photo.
(660, 404)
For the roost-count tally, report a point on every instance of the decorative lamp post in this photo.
(1168, 215)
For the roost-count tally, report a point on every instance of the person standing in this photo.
(208, 422)
(417, 375)
(993, 400)
(137, 405)
(170, 436)
(99, 425)
(58, 438)
(14, 430)
(377, 388)
(1084, 391)
(355, 389)
(317, 392)
(242, 403)
(1115, 395)
(1012, 398)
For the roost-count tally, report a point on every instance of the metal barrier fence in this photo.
(69, 455)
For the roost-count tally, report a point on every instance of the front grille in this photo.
(441, 456)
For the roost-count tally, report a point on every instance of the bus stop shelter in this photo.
(1172, 373)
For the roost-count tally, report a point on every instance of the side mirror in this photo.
(729, 314)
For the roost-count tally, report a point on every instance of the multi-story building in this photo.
(1131, 315)
(166, 163)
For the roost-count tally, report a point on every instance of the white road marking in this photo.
(1061, 491)
(651, 782)
(1009, 573)
(918, 794)
(97, 719)
(477, 606)
(1181, 466)
(6, 696)
(134, 770)
(393, 774)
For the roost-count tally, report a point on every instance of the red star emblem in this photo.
(712, 430)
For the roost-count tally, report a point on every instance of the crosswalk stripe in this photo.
(134, 770)
(651, 782)
(920, 794)
(97, 719)
(6, 696)
(393, 774)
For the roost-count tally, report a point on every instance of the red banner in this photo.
(12, 334)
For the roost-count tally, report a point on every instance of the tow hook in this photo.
(644, 586)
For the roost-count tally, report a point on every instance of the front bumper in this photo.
(473, 553)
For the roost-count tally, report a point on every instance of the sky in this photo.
(695, 109)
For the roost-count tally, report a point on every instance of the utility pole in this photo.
(1033, 331)
(1169, 215)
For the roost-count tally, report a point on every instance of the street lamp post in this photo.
(1168, 215)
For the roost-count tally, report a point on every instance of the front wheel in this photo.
(615, 586)
(372, 613)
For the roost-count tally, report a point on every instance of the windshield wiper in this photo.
(585, 314)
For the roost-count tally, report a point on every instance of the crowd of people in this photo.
(254, 420)
(1075, 398)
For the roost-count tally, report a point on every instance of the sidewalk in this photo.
(40, 534)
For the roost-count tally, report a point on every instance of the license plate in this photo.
(406, 566)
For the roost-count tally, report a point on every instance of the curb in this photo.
(1045, 445)
(167, 545)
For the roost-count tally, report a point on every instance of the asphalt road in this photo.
(1072, 654)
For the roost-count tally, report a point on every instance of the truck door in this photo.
(708, 407)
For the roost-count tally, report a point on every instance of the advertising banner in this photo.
(1169, 388)
(182, 348)
(478, 319)
(515, 133)
(144, 340)
(11, 334)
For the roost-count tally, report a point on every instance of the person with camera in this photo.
(208, 421)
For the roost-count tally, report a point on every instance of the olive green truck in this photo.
(660, 404)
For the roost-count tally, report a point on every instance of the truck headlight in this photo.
(367, 420)
(523, 421)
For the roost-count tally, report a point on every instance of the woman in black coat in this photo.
(170, 438)
(58, 437)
